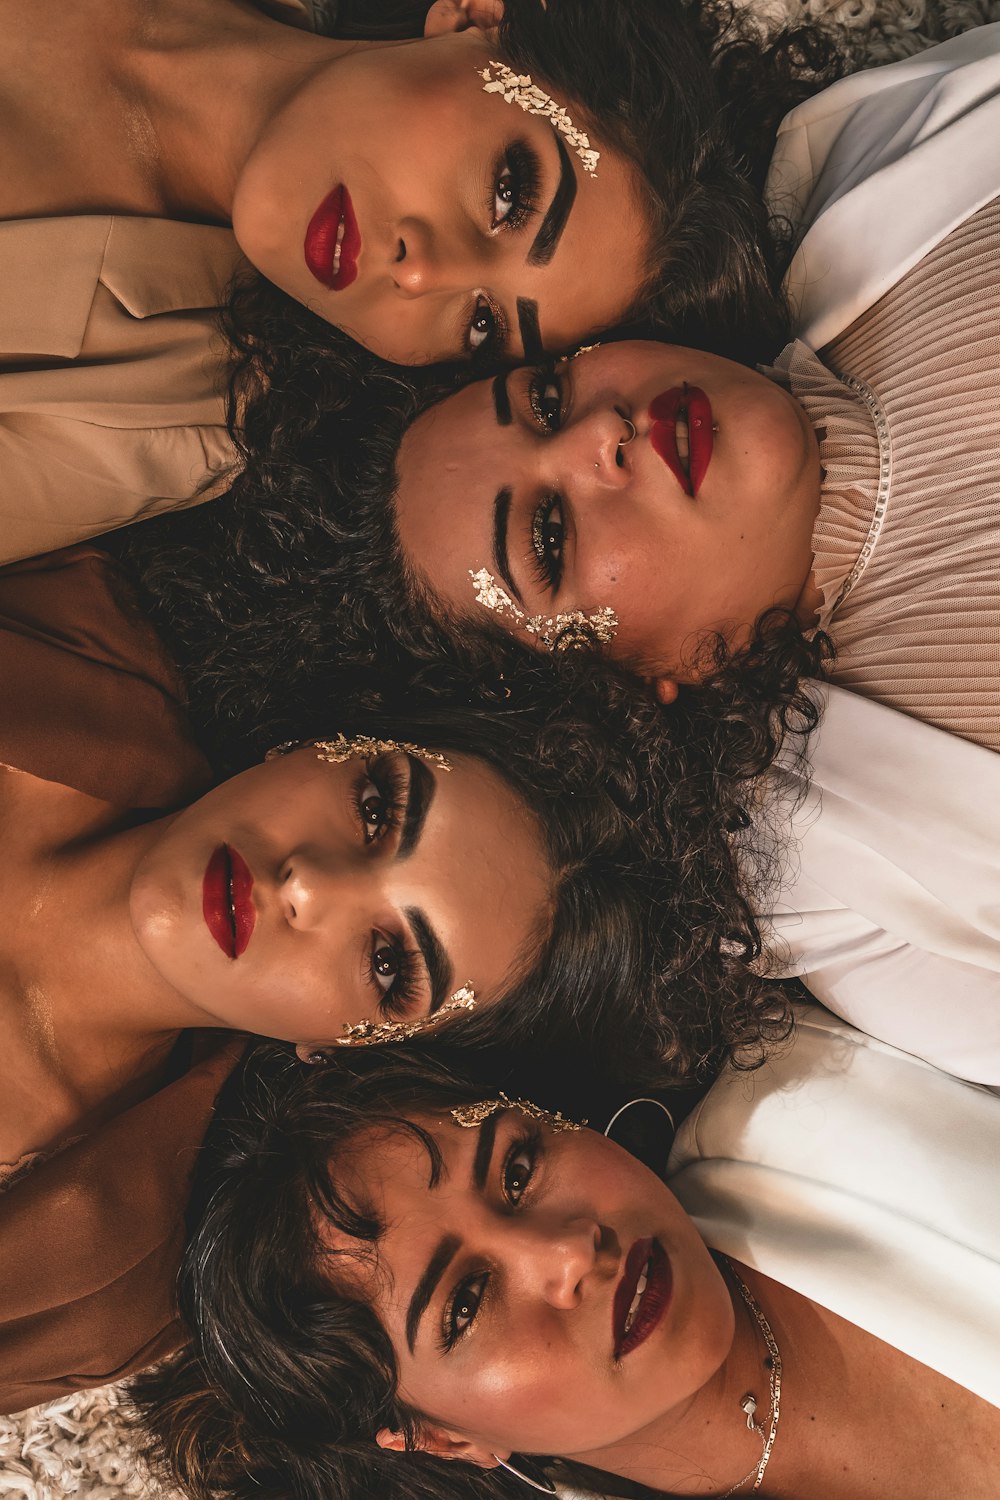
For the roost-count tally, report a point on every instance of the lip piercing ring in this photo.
(624, 442)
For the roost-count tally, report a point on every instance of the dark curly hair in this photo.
(289, 1378)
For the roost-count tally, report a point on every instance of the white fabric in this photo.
(890, 907)
(890, 902)
(865, 1180)
(876, 170)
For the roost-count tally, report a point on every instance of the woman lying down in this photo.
(406, 1286)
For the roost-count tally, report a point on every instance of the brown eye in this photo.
(483, 326)
(386, 962)
(375, 812)
(517, 1171)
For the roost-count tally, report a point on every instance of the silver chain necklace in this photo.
(749, 1401)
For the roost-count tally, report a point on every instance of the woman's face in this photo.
(700, 522)
(470, 227)
(303, 896)
(512, 1288)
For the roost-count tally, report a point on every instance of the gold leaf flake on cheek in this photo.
(518, 88)
(573, 629)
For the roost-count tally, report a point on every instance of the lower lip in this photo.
(321, 241)
(663, 413)
(656, 1297)
(225, 901)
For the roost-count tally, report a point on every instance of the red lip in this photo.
(321, 241)
(229, 912)
(663, 413)
(655, 1299)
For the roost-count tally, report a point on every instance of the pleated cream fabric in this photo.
(907, 542)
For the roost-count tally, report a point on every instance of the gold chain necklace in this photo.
(749, 1402)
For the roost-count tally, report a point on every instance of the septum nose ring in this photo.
(624, 442)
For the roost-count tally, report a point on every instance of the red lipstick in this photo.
(333, 241)
(642, 1296)
(229, 912)
(690, 404)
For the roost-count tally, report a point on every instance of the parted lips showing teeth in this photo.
(640, 1288)
(333, 241)
(642, 1295)
(681, 433)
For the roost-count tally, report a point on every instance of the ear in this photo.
(462, 15)
(441, 1442)
(310, 1052)
(666, 689)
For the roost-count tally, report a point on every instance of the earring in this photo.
(359, 747)
(548, 1488)
(370, 1033)
(471, 1116)
(628, 1105)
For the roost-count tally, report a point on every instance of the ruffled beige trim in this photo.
(854, 451)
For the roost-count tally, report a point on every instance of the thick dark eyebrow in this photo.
(419, 797)
(427, 1285)
(501, 400)
(448, 1246)
(531, 338)
(543, 246)
(436, 959)
(501, 560)
(484, 1150)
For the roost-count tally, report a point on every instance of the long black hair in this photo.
(289, 1377)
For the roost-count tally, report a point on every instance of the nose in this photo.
(558, 1258)
(595, 446)
(311, 885)
(424, 262)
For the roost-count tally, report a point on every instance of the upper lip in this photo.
(227, 906)
(645, 1253)
(333, 221)
(691, 402)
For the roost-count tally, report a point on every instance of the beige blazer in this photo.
(111, 369)
(111, 406)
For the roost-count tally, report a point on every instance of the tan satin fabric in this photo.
(112, 369)
(111, 400)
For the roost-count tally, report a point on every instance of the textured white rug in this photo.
(76, 1446)
(79, 1446)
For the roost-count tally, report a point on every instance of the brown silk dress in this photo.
(90, 1236)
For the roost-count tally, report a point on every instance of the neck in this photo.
(219, 74)
(705, 1447)
(77, 939)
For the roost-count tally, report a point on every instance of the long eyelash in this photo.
(543, 376)
(545, 569)
(397, 1001)
(387, 775)
(525, 168)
